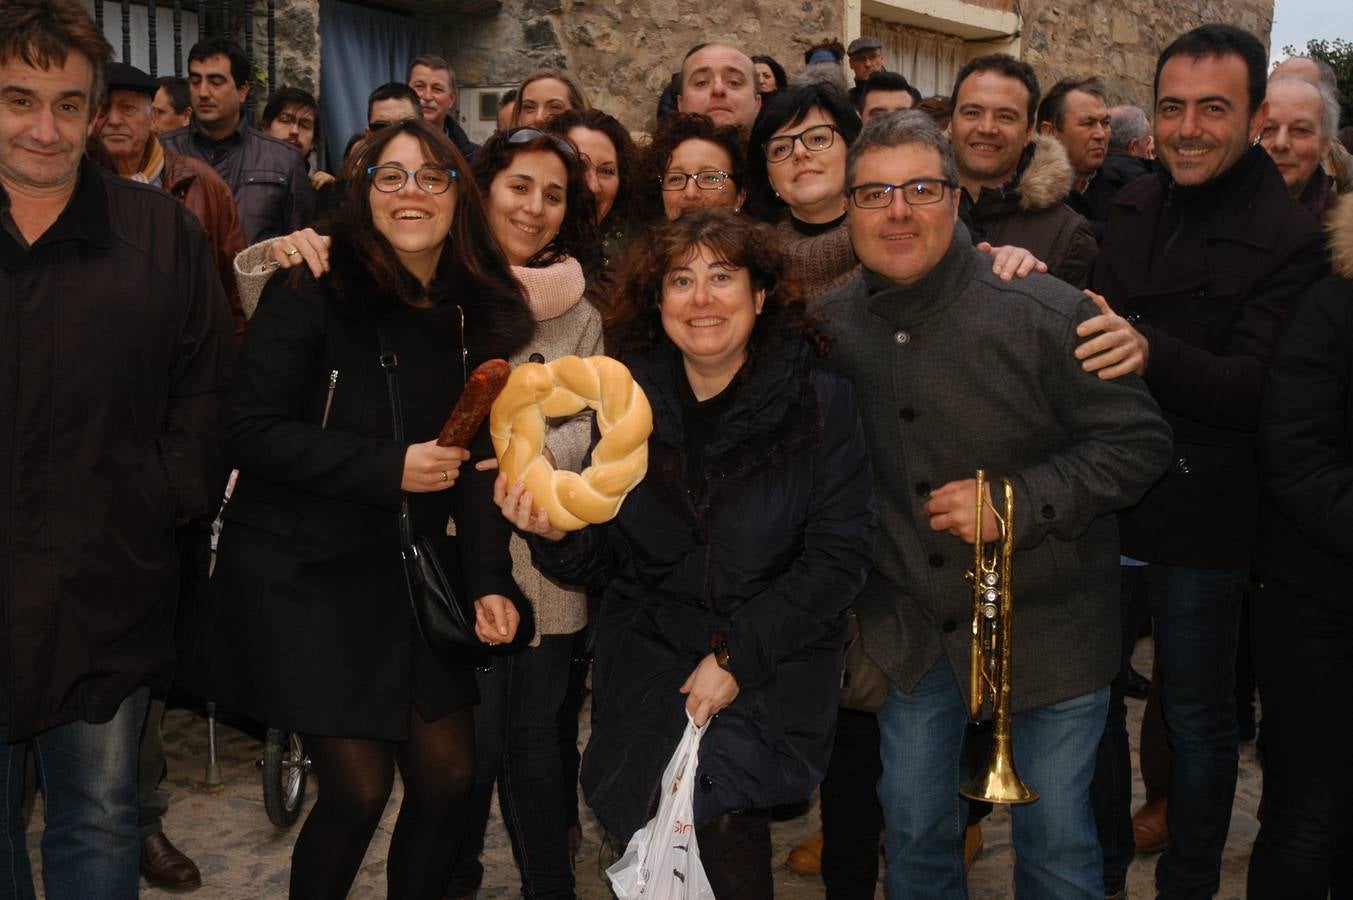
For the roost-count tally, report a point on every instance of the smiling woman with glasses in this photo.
(692, 163)
(309, 544)
(798, 166)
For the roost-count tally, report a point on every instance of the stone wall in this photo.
(1121, 41)
(625, 51)
(297, 28)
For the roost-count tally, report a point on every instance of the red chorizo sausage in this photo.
(483, 387)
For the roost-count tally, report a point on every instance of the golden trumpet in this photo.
(998, 782)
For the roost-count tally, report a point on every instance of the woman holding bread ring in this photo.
(313, 627)
(543, 214)
(727, 570)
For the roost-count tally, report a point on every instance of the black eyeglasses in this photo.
(917, 192)
(390, 177)
(527, 133)
(705, 180)
(815, 139)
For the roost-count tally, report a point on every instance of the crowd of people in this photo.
(228, 369)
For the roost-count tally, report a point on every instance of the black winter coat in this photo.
(1306, 438)
(309, 612)
(1207, 274)
(771, 555)
(1118, 171)
(116, 344)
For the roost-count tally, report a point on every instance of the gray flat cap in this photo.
(862, 44)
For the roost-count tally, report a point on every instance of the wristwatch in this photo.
(719, 647)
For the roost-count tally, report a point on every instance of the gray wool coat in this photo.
(959, 371)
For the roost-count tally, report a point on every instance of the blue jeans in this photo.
(517, 745)
(87, 773)
(1196, 619)
(1056, 850)
(1111, 790)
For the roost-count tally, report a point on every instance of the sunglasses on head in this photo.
(527, 134)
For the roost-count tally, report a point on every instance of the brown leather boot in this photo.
(1149, 829)
(165, 866)
(806, 858)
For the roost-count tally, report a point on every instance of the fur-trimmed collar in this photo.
(1047, 178)
(1041, 181)
(497, 324)
(1341, 238)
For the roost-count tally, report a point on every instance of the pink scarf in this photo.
(552, 290)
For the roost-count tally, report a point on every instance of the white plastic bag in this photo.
(662, 861)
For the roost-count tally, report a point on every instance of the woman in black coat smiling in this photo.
(728, 568)
(313, 627)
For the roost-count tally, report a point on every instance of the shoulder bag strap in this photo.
(390, 363)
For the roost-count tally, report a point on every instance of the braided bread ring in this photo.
(564, 387)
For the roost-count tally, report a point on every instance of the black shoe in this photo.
(1136, 685)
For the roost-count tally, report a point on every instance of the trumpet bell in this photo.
(999, 783)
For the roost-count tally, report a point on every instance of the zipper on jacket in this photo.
(329, 398)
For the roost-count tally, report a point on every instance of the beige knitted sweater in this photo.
(574, 331)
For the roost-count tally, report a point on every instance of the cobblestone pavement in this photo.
(242, 856)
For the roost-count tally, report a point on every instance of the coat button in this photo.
(906, 414)
(1133, 318)
(948, 625)
(1182, 465)
(936, 561)
(901, 337)
(706, 783)
(1047, 511)
(923, 488)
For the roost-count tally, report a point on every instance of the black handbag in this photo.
(445, 620)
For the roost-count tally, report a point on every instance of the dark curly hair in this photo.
(578, 236)
(672, 132)
(634, 322)
(789, 108)
(626, 154)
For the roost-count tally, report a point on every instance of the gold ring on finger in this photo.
(445, 476)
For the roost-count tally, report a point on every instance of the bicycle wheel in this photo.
(286, 769)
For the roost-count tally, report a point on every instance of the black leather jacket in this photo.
(267, 176)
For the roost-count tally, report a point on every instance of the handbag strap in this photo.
(390, 363)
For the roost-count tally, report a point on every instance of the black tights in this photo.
(355, 775)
